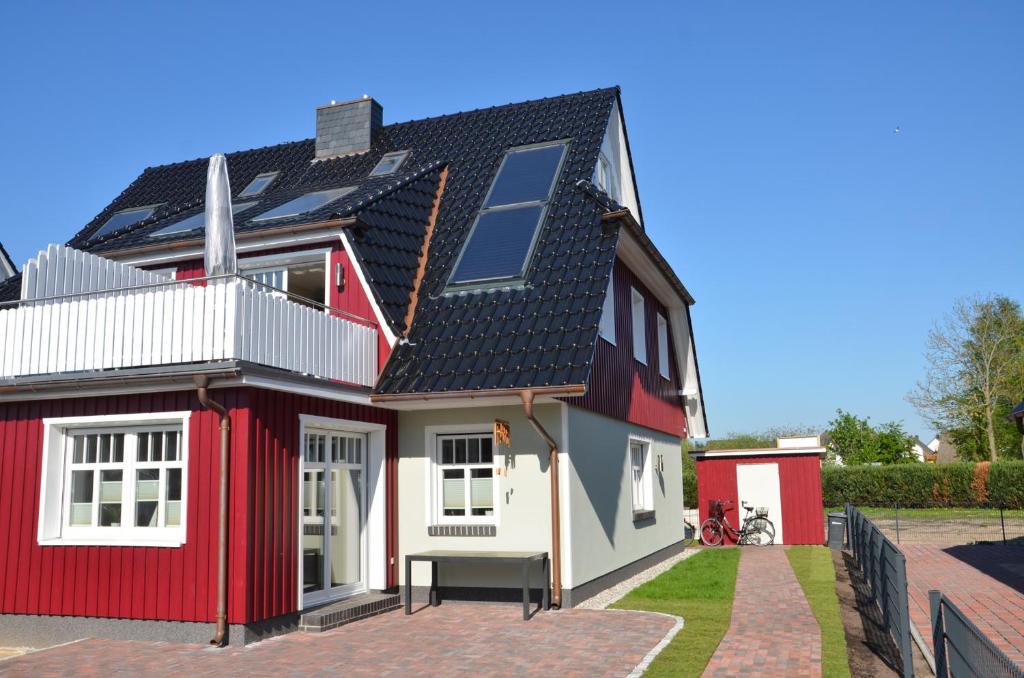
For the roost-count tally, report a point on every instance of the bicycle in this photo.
(756, 530)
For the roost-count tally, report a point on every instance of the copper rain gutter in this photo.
(556, 522)
(202, 384)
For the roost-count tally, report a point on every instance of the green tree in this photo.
(855, 441)
(975, 374)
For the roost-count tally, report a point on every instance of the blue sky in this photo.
(820, 244)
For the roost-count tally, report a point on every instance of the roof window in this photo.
(305, 203)
(501, 240)
(124, 218)
(259, 184)
(197, 221)
(389, 164)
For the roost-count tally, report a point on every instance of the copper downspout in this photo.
(556, 523)
(202, 384)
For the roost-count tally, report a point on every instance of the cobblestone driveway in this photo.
(986, 582)
(455, 639)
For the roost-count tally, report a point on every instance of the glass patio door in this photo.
(333, 515)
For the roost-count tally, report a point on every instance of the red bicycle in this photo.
(756, 530)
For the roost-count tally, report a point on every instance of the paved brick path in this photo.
(773, 631)
(455, 639)
(994, 603)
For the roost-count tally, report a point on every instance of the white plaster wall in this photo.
(603, 534)
(523, 511)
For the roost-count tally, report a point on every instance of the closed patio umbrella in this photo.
(219, 256)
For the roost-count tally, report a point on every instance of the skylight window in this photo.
(305, 203)
(197, 221)
(389, 164)
(259, 184)
(503, 236)
(124, 218)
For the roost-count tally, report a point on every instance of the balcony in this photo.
(82, 313)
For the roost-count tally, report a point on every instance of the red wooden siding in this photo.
(352, 299)
(799, 489)
(174, 583)
(624, 388)
(271, 587)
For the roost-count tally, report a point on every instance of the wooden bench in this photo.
(522, 558)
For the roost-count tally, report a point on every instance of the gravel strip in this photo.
(612, 594)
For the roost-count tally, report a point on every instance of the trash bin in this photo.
(836, 530)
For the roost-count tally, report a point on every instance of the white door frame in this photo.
(372, 532)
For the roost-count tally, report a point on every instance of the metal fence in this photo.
(950, 526)
(885, 569)
(961, 650)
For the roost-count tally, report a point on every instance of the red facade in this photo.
(621, 386)
(799, 489)
(174, 583)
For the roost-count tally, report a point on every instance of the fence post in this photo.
(903, 603)
(1002, 524)
(938, 634)
(897, 507)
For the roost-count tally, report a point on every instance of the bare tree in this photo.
(975, 362)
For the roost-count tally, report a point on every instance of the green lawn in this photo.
(700, 590)
(924, 513)
(813, 568)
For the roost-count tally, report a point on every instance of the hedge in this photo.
(689, 488)
(964, 485)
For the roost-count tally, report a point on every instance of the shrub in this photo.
(962, 485)
(690, 488)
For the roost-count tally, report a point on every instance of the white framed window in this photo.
(640, 475)
(639, 326)
(117, 480)
(302, 274)
(465, 487)
(606, 328)
(606, 177)
(662, 346)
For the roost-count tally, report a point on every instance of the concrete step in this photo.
(345, 611)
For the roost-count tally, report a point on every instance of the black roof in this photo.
(541, 332)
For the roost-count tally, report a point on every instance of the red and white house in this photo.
(402, 288)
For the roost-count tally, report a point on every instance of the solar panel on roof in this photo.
(305, 203)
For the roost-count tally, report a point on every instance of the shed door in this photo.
(758, 485)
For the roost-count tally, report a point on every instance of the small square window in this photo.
(259, 184)
(389, 163)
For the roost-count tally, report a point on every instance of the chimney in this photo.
(347, 127)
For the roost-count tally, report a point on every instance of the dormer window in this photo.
(389, 164)
(259, 184)
(124, 218)
(503, 237)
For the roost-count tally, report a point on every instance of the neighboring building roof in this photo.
(1018, 412)
(539, 333)
(7, 267)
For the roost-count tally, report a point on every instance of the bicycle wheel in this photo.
(711, 532)
(765, 536)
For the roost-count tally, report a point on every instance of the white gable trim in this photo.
(381, 320)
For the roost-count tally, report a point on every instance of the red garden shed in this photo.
(786, 479)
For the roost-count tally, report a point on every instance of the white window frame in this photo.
(606, 328)
(662, 346)
(55, 490)
(435, 475)
(281, 262)
(606, 177)
(641, 481)
(639, 313)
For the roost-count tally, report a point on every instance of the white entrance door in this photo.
(333, 540)
(758, 485)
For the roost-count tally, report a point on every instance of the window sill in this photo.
(640, 516)
(76, 541)
(478, 530)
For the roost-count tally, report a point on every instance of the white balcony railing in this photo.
(177, 322)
